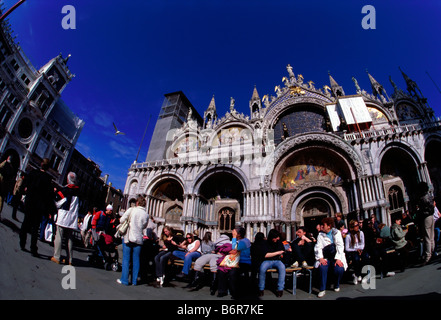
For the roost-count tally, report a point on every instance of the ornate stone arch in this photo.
(132, 184)
(326, 190)
(279, 107)
(155, 181)
(235, 171)
(339, 146)
(402, 145)
(407, 114)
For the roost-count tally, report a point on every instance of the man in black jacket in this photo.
(272, 253)
(38, 203)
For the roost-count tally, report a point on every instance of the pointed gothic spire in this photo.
(336, 89)
(406, 78)
(255, 95)
(412, 87)
(210, 114)
(255, 104)
(212, 105)
(393, 84)
(377, 88)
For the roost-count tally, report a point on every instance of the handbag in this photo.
(48, 232)
(231, 260)
(329, 251)
(122, 228)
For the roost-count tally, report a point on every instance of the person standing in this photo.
(437, 230)
(38, 203)
(101, 222)
(133, 240)
(67, 220)
(86, 231)
(427, 222)
(398, 237)
(16, 195)
(6, 176)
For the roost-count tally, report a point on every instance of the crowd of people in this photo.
(236, 265)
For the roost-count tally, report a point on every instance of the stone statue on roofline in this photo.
(232, 103)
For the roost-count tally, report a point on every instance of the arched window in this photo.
(396, 200)
(227, 220)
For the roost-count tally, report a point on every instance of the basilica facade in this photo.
(300, 155)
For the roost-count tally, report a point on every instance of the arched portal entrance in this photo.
(165, 203)
(222, 197)
(400, 176)
(434, 165)
(313, 211)
(312, 205)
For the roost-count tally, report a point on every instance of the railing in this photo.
(222, 154)
(390, 131)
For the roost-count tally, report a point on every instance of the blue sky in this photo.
(127, 54)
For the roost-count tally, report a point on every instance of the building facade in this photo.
(34, 122)
(301, 155)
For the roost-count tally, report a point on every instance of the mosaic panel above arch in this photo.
(377, 115)
(185, 144)
(344, 154)
(233, 135)
(311, 165)
(405, 111)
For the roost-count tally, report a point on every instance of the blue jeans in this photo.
(131, 251)
(269, 264)
(187, 259)
(323, 273)
(161, 260)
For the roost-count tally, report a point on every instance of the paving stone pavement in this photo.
(24, 277)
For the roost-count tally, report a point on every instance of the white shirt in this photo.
(138, 222)
(436, 214)
(358, 245)
(323, 240)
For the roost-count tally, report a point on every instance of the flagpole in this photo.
(143, 139)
